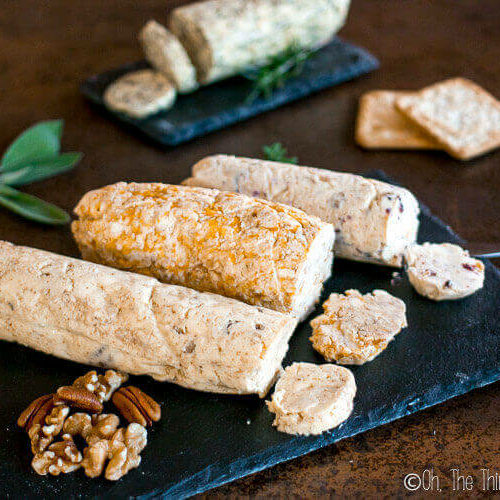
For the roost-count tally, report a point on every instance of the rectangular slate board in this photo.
(222, 104)
(205, 440)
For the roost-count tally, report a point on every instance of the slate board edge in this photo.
(263, 461)
(292, 91)
(268, 459)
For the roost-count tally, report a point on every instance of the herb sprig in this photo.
(280, 68)
(34, 156)
(278, 152)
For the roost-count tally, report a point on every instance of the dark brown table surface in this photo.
(48, 48)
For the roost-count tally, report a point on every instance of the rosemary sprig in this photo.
(278, 152)
(34, 156)
(273, 75)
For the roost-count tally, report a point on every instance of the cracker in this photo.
(140, 93)
(460, 115)
(380, 125)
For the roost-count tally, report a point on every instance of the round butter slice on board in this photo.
(310, 399)
(356, 328)
(140, 94)
(443, 271)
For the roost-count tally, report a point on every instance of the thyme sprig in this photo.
(268, 78)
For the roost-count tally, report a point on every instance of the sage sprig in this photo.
(34, 156)
(273, 75)
(278, 152)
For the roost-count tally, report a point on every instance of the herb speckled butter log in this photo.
(225, 37)
(257, 251)
(374, 221)
(99, 316)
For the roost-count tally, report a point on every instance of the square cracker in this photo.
(381, 125)
(460, 115)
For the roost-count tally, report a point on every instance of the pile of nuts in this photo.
(52, 427)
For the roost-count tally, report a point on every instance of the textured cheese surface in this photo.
(140, 93)
(356, 328)
(256, 251)
(164, 52)
(443, 271)
(310, 399)
(225, 37)
(381, 125)
(459, 114)
(374, 221)
(99, 316)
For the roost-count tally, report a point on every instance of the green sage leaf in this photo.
(37, 170)
(41, 141)
(31, 207)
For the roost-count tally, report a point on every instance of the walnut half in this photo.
(110, 449)
(41, 435)
(122, 449)
(60, 457)
(125, 448)
(103, 386)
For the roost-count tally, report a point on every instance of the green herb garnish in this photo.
(35, 155)
(273, 75)
(278, 152)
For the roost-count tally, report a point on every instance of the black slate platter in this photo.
(205, 440)
(220, 105)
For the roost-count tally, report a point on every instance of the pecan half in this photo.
(136, 406)
(77, 397)
(36, 412)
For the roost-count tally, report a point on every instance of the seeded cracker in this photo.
(460, 115)
(380, 125)
(140, 94)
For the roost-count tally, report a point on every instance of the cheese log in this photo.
(100, 316)
(166, 54)
(226, 37)
(256, 251)
(374, 221)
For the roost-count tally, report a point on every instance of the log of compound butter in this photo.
(374, 221)
(226, 37)
(99, 316)
(256, 251)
